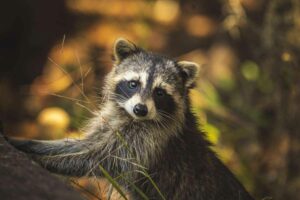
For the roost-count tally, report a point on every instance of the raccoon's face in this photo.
(150, 87)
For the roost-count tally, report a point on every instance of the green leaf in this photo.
(250, 70)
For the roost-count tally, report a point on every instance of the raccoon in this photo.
(144, 135)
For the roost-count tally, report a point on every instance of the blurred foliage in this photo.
(246, 99)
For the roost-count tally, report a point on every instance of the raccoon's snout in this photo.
(140, 110)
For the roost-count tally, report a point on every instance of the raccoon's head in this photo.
(150, 87)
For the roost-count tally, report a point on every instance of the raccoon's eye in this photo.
(160, 92)
(132, 84)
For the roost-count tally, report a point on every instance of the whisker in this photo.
(123, 91)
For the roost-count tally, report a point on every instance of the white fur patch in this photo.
(159, 83)
(143, 79)
(131, 75)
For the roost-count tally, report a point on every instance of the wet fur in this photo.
(172, 150)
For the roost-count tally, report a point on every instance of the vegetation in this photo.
(55, 55)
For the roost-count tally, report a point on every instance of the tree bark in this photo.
(21, 178)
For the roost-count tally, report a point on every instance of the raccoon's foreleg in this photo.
(70, 164)
(44, 147)
(67, 157)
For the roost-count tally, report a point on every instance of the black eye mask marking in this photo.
(126, 89)
(158, 92)
(163, 101)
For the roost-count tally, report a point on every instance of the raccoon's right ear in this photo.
(123, 48)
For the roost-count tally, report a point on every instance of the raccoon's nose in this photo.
(140, 110)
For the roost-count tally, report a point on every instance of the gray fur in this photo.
(169, 148)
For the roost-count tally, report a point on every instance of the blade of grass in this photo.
(141, 193)
(127, 160)
(153, 183)
(113, 182)
(109, 192)
(73, 81)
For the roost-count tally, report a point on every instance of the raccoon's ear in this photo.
(122, 49)
(190, 72)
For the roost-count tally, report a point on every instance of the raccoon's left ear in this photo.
(190, 72)
(122, 49)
